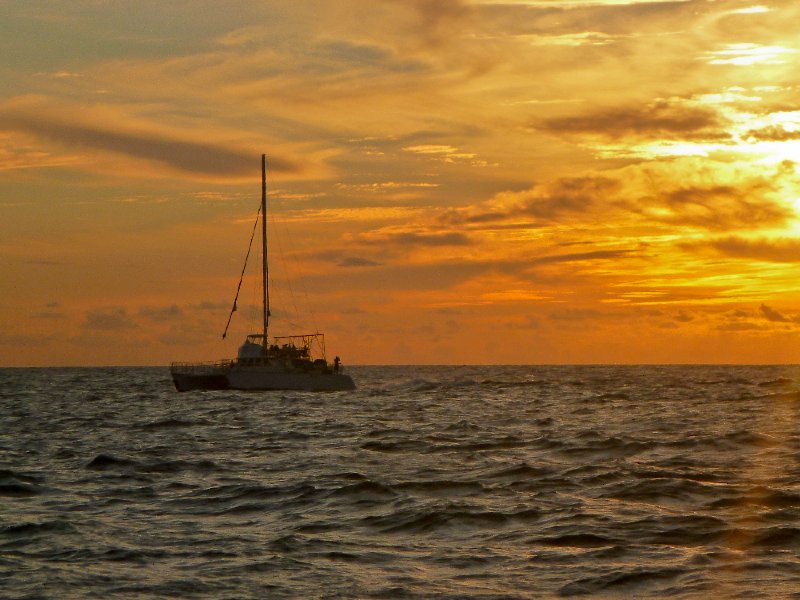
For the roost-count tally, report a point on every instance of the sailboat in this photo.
(292, 362)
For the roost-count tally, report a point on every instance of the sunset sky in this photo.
(451, 181)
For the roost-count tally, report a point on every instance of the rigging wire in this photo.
(241, 277)
(282, 256)
(292, 269)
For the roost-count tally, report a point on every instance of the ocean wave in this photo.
(441, 488)
(169, 423)
(102, 462)
(758, 496)
(608, 447)
(107, 462)
(663, 490)
(136, 556)
(241, 498)
(779, 382)
(424, 385)
(450, 517)
(630, 582)
(519, 472)
(473, 482)
(777, 537)
(14, 484)
(396, 446)
(365, 492)
(42, 528)
(578, 540)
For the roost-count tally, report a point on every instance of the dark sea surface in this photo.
(426, 482)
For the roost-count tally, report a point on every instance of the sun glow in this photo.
(748, 54)
(752, 10)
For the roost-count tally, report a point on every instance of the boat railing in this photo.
(307, 345)
(201, 368)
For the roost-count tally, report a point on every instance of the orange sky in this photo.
(451, 181)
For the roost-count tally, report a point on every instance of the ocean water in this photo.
(426, 482)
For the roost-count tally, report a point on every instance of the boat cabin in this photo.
(304, 352)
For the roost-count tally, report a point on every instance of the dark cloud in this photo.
(436, 12)
(583, 256)
(576, 314)
(48, 314)
(432, 239)
(770, 250)
(356, 261)
(112, 319)
(770, 314)
(441, 274)
(722, 206)
(185, 155)
(774, 133)
(748, 203)
(409, 238)
(738, 326)
(564, 197)
(436, 19)
(211, 306)
(161, 313)
(436, 275)
(656, 120)
(25, 340)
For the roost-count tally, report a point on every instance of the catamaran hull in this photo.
(186, 383)
(253, 380)
(310, 382)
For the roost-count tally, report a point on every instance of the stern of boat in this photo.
(200, 376)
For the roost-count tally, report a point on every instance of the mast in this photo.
(264, 269)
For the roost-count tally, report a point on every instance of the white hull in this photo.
(260, 377)
(267, 378)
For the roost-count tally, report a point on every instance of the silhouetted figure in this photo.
(336, 362)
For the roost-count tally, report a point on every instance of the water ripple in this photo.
(427, 482)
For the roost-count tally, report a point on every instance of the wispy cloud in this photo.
(564, 198)
(186, 155)
(785, 250)
(656, 120)
(389, 238)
